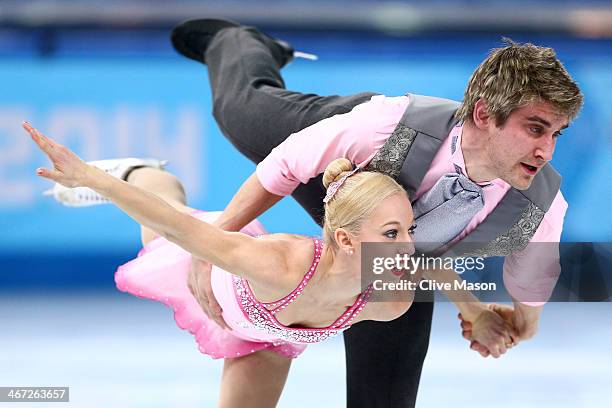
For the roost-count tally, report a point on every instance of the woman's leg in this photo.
(256, 380)
(163, 184)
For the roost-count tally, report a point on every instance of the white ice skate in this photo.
(83, 196)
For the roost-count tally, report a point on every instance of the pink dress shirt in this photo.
(529, 275)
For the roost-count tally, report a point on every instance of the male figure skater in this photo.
(476, 172)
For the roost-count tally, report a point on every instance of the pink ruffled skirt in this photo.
(160, 273)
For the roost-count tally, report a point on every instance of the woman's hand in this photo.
(68, 169)
(492, 331)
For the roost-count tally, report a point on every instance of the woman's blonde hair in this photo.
(355, 199)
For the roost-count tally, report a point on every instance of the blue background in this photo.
(119, 94)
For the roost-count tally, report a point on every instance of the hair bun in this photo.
(335, 170)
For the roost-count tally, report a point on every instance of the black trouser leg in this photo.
(384, 359)
(256, 113)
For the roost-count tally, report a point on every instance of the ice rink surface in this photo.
(114, 350)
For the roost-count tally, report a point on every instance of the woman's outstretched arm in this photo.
(235, 252)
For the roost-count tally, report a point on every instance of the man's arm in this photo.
(530, 276)
(251, 200)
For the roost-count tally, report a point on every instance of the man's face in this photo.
(525, 143)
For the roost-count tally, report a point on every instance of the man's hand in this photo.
(201, 288)
(525, 320)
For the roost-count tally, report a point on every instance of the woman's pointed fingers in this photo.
(46, 144)
(37, 137)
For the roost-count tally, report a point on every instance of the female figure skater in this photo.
(272, 316)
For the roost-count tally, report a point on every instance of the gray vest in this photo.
(409, 151)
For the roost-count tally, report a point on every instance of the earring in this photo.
(350, 252)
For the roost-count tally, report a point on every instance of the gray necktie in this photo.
(445, 210)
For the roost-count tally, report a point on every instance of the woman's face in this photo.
(392, 221)
(386, 233)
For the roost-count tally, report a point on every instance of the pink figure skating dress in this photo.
(160, 273)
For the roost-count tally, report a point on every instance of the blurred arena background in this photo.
(102, 78)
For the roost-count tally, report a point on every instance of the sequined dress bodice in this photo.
(262, 315)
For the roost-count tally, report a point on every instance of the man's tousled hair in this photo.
(517, 75)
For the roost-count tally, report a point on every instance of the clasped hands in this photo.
(493, 330)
